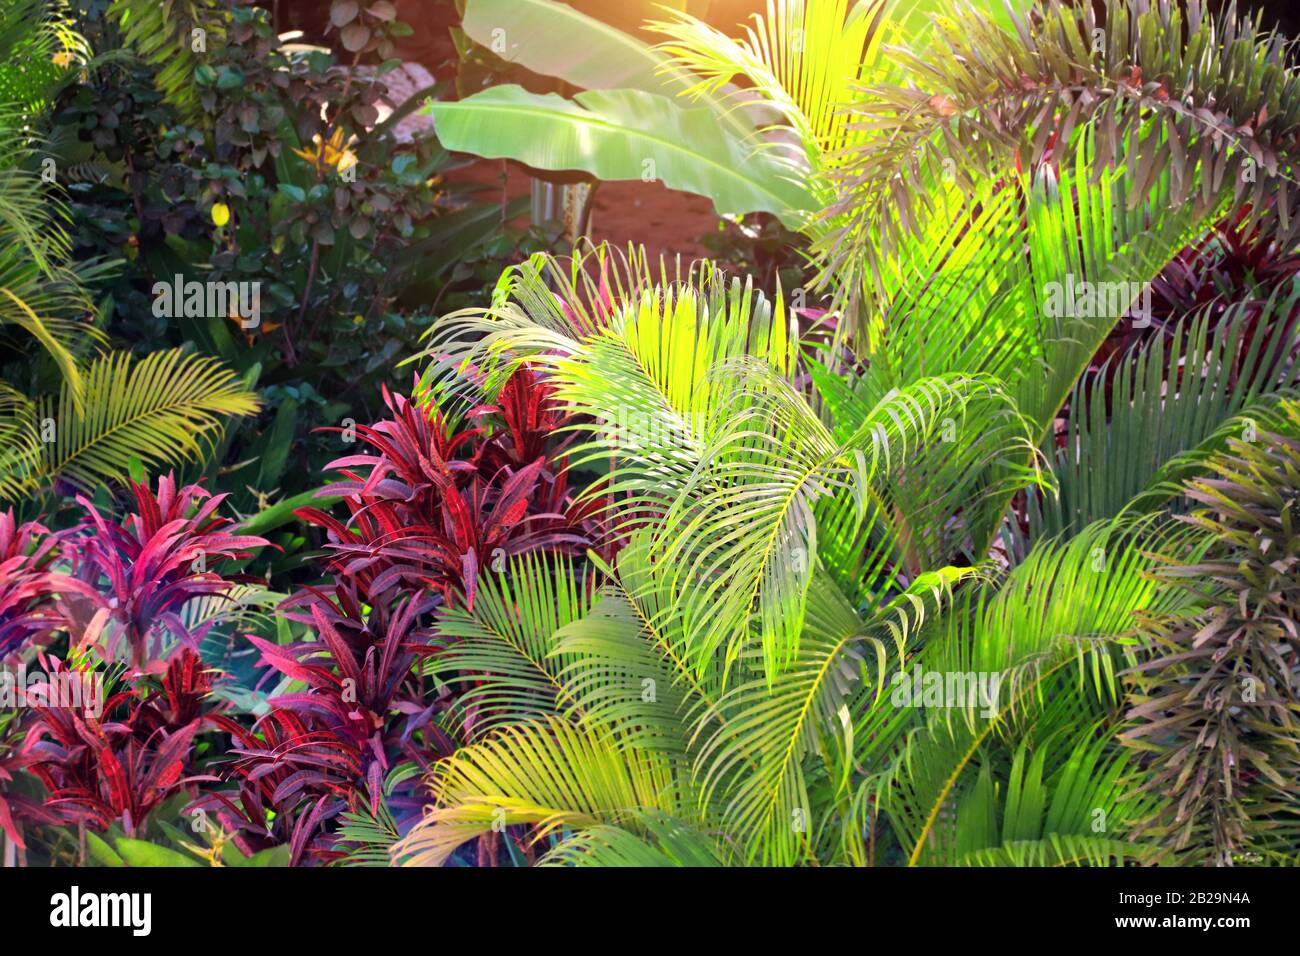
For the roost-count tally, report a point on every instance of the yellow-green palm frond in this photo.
(20, 444)
(1045, 643)
(659, 840)
(38, 47)
(167, 34)
(31, 218)
(503, 659)
(548, 773)
(166, 408)
(804, 59)
(1058, 806)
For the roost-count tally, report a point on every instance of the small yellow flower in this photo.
(63, 58)
(220, 213)
(334, 154)
(210, 854)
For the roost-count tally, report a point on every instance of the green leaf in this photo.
(620, 135)
(276, 856)
(163, 409)
(141, 853)
(102, 853)
(594, 54)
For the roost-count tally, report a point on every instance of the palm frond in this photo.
(661, 841)
(166, 408)
(165, 34)
(1173, 403)
(549, 773)
(1048, 636)
(501, 657)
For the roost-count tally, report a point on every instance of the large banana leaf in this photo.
(594, 55)
(624, 134)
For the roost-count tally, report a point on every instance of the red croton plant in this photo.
(431, 506)
(435, 506)
(120, 585)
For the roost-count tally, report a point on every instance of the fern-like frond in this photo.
(166, 408)
(169, 35)
(501, 658)
(549, 773)
(661, 841)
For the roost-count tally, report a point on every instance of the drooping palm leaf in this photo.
(549, 773)
(1050, 632)
(163, 409)
(500, 657)
(1173, 403)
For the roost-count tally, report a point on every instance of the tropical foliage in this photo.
(982, 552)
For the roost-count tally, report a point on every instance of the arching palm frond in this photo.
(1173, 403)
(803, 61)
(549, 773)
(501, 657)
(946, 493)
(1049, 636)
(635, 357)
(1156, 95)
(742, 535)
(166, 408)
(1056, 807)
(20, 444)
(660, 841)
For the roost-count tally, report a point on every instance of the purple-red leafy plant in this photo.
(17, 808)
(27, 583)
(431, 507)
(101, 769)
(127, 582)
(136, 574)
(292, 776)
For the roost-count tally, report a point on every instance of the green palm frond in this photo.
(31, 219)
(502, 659)
(369, 840)
(803, 61)
(623, 668)
(20, 444)
(660, 841)
(39, 293)
(549, 773)
(39, 47)
(980, 287)
(634, 352)
(1056, 807)
(742, 534)
(1207, 103)
(1049, 636)
(973, 452)
(166, 408)
(758, 750)
(1174, 402)
(165, 34)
